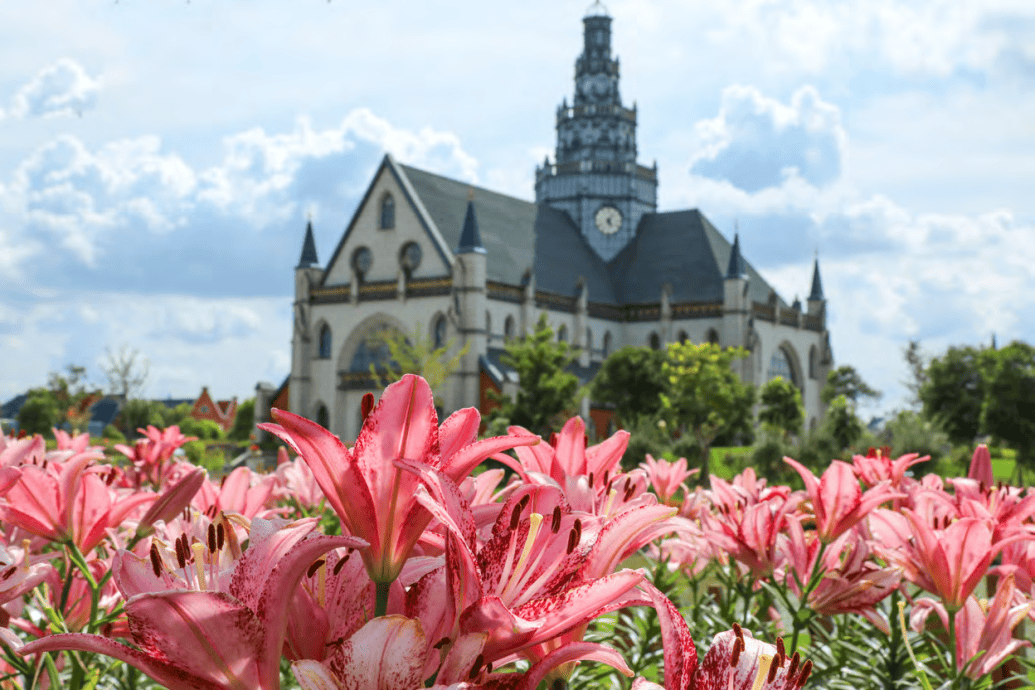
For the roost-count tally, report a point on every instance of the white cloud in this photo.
(757, 142)
(103, 211)
(63, 88)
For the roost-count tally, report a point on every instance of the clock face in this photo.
(608, 220)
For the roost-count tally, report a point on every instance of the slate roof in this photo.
(816, 294)
(683, 249)
(680, 248)
(308, 257)
(470, 238)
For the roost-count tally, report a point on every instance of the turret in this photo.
(469, 279)
(307, 274)
(736, 307)
(817, 302)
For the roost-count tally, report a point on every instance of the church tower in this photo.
(595, 177)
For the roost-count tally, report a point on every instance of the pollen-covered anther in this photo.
(156, 560)
(555, 525)
(314, 567)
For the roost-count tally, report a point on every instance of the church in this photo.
(474, 267)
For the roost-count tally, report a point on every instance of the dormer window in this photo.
(387, 212)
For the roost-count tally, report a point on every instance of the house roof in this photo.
(492, 364)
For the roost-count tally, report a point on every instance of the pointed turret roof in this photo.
(470, 238)
(816, 295)
(308, 257)
(736, 265)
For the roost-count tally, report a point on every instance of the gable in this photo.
(411, 224)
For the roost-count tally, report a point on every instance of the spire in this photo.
(817, 285)
(470, 238)
(308, 258)
(736, 267)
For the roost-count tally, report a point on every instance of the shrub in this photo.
(111, 433)
(204, 429)
(40, 413)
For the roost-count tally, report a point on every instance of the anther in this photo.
(314, 567)
(478, 663)
(212, 538)
(629, 491)
(591, 480)
(366, 406)
(806, 671)
(181, 558)
(795, 660)
(156, 562)
(515, 516)
(220, 534)
(555, 526)
(772, 673)
(341, 563)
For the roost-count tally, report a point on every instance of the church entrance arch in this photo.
(361, 348)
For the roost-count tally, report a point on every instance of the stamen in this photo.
(478, 662)
(220, 533)
(591, 480)
(515, 517)
(772, 672)
(738, 647)
(341, 562)
(806, 671)
(181, 558)
(211, 538)
(795, 660)
(629, 490)
(366, 406)
(555, 526)
(314, 567)
(156, 561)
(610, 502)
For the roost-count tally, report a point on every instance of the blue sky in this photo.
(158, 159)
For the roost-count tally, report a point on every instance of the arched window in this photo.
(373, 350)
(683, 337)
(780, 365)
(439, 333)
(562, 334)
(323, 417)
(387, 212)
(508, 328)
(655, 341)
(607, 343)
(713, 336)
(813, 357)
(325, 342)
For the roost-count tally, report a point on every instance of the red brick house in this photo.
(222, 412)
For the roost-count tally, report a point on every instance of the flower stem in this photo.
(381, 600)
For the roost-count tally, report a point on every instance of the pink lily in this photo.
(67, 501)
(838, 503)
(242, 491)
(981, 466)
(875, 468)
(950, 561)
(151, 455)
(667, 477)
(735, 659)
(374, 499)
(201, 638)
(21, 451)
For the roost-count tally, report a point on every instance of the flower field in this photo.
(423, 556)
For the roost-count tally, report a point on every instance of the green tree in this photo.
(204, 429)
(138, 414)
(846, 381)
(244, 420)
(781, 407)
(704, 394)
(632, 380)
(916, 360)
(1008, 410)
(415, 353)
(127, 371)
(40, 412)
(547, 391)
(841, 424)
(954, 392)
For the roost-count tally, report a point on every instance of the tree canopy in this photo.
(547, 393)
(1008, 410)
(632, 380)
(846, 381)
(954, 392)
(781, 406)
(704, 395)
